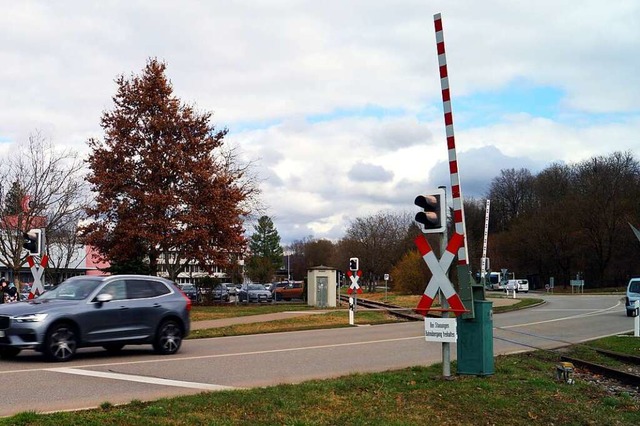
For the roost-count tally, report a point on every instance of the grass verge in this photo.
(307, 322)
(522, 303)
(523, 391)
(313, 321)
(203, 313)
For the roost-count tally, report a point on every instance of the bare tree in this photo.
(63, 247)
(511, 194)
(379, 241)
(574, 223)
(609, 188)
(47, 191)
(297, 261)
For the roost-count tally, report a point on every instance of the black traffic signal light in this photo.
(353, 264)
(33, 241)
(433, 218)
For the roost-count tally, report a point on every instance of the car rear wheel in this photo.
(8, 353)
(61, 343)
(168, 338)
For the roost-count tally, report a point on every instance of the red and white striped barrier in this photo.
(456, 191)
(439, 280)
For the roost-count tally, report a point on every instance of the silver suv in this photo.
(108, 311)
(633, 295)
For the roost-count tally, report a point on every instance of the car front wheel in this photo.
(61, 343)
(168, 338)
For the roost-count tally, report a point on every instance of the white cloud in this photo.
(313, 90)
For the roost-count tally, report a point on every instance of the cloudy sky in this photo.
(337, 102)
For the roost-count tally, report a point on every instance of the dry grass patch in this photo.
(307, 322)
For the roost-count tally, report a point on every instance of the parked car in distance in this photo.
(231, 288)
(109, 311)
(254, 293)
(633, 295)
(288, 291)
(275, 286)
(220, 293)
(518, 285)
(190, 290)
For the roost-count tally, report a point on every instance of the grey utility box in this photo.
(321, 287)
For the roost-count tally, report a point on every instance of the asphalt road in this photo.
(95, 377)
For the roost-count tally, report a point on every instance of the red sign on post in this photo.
(354, 282)
(38, 271)
(440, 280)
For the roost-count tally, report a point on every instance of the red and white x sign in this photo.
(37, 271)
(354, 282)
(439, 269)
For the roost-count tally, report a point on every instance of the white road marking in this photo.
(140, 379)
(230, 355)
(588, 314)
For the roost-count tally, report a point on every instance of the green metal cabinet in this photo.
(475, 341)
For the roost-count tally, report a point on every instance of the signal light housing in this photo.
(33, 241)
(433, 218)
(354, 264)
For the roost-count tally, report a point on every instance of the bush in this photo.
(410, 274)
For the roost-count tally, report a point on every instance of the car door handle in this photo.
(157, 305)
(124, 308)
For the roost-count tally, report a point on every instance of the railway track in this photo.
(397, 311)
(624, 377)
(619, 374)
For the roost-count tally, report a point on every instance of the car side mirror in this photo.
(104, 297)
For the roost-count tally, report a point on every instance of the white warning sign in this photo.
(440, 330)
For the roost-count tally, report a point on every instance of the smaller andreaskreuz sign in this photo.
(440, 330)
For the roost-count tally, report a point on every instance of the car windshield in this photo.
(634, 287)
(256, 287)
(71, 290)
(188, 287)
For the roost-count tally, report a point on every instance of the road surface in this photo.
(95, 377)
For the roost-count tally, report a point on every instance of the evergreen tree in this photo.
(13, 200)
(266, 252)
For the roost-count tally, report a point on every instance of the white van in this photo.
(633, 294)
(518, 285)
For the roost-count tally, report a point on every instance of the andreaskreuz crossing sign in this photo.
(439, 280)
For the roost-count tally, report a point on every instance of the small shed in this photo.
(321, 286)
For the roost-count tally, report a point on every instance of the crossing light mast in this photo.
(484, 260)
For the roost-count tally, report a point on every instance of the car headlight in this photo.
(30, 318)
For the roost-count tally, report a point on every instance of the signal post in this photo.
(354, 273)
(34, 243)
(474, 313)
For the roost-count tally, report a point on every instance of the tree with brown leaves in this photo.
(167, 190)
